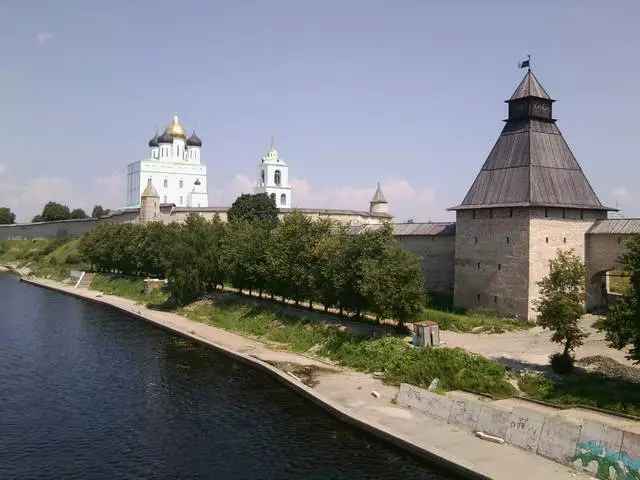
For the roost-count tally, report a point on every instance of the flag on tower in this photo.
(525, 63)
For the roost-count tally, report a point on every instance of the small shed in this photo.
(426, 334)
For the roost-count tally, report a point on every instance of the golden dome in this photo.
(175, 129)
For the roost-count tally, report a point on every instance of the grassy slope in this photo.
(51, 258)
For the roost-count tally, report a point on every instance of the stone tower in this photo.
(378, 203)
(273, 177)
(149, 204)
(530, 199)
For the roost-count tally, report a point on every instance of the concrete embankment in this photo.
(348, 396)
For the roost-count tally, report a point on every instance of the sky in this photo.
(408, 93)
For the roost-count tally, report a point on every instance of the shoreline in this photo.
(337, 395)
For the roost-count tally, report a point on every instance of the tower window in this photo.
(262, 175)
(149, 181)
(478, 265)
(546, 239)
(491, 213)
(564, 240)
(166, 183)
(499, 266)
(511, 212)
(495, 299)
(564, 213)
(181, 183)
(276, 177)
(473, 214)
(475, 239)
(283, 199)
(478, 297)
(581, 214)
(508, 240)
(546, 212)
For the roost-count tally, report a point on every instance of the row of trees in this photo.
(297, 258)
(53, 211)
(7, 217)
(561, 305)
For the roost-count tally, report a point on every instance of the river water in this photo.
(89, 393)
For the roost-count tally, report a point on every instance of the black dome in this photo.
(165, 138)
(154, 141)
(194, 141)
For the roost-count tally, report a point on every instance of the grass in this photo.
(51, 258)
(473, 321)
(396, 360)
(619, 282)
(127, 287)
(582, 388)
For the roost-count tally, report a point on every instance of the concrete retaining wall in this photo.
(605, 451)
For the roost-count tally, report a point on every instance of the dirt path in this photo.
(530, 348)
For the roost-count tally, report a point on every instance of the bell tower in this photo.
(273, 177)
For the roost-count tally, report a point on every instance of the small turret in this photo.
(149, 204)
(378, 203)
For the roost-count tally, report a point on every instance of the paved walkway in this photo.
(348, 394)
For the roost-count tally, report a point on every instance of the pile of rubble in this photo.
(609, 367)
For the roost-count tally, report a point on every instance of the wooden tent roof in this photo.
(531, 164)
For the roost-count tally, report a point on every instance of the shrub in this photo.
(561, 363)
(72, 259)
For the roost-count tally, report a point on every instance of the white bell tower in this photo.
(273, 177)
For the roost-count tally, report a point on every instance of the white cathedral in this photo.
(173, 167)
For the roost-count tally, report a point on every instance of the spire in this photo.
(150, 192)
(273, 138)
(529, 87)
(378, 197)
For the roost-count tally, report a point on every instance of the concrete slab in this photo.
(493, 421)
(596, 433)
(432, 404)
(465, 413)
(558, 440)
(524, 428)
(630, 454)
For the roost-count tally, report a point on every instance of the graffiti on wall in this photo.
(606, 464)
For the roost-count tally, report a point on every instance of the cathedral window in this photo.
(262, 176)
(283, 199)
(181, 183)
(166, 183)
(276, 177)
(273, 197)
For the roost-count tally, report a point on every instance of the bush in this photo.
(561, 363)
(72, 259)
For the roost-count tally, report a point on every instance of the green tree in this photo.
(329, 267)
(291, 257)
(78, 213)
(7, 217)
(37, 219)
(54, 211)
(98, 211)
(392, 284)
(622, 324)
(258, 207)
(244, 255)
(561, 302)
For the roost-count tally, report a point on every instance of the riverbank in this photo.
(348, 396)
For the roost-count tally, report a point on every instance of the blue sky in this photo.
(406, 92)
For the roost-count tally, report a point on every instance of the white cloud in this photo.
(226, 195)
(43, 37)
(404, 199)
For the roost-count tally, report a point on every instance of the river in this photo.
(89, 393)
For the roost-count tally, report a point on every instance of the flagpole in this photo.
(529, 60)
